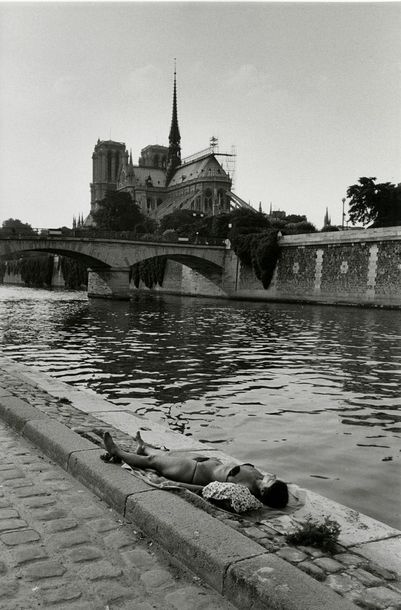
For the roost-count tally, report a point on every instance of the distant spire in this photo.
(130, 156)
(260, 206)
(327, 219)
(174, 149)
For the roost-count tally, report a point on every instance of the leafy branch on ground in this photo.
(322, 535)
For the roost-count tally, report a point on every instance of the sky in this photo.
(309, 94)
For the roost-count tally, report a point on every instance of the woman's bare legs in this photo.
(175, 468)
(139, 460)
(142, 448)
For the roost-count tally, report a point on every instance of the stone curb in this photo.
(237, 567)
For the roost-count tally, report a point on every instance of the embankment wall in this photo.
(355, 267)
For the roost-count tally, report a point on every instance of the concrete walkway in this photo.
(251, 565)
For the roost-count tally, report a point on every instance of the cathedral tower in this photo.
(107, 158)
(174, 149)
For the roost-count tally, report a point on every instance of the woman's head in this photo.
(275, 494)
(269, 490)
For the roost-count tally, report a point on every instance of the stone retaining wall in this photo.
(356, 267)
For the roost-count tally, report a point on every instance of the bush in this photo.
(323, 535)
(295, 228)
(170, 235)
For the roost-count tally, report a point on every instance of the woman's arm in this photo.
(189, 486)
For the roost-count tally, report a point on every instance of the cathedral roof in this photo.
(109, 144)
(157, 175)
(199, 168)
(174, 202)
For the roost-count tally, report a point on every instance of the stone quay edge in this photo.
(233, 564)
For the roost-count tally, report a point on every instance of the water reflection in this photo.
(311, 392)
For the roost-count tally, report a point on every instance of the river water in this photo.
(309, 392)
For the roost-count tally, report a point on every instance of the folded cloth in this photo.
(233, 496)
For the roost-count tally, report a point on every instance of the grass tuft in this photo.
(322, 535)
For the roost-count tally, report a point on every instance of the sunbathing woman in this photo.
(195, 472)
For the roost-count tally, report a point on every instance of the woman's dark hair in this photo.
(275, 496)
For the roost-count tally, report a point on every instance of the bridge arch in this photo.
(24, 248)
(208, 269)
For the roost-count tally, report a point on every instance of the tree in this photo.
(16, 227)
(379, 204)
(117, 212)
(179, 219)
(187, 223)
(246, 221)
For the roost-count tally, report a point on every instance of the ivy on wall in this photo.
(150, 272)
(260, 251)
(36, 271)
(74, 272)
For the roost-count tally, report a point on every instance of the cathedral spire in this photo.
(174, 149)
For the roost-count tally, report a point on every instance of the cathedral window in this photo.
(221, 196)
(208, 200)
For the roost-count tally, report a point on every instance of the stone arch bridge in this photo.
(111, 259)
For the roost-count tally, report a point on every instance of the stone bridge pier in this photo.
(111, 283)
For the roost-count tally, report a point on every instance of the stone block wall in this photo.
(388, 275)
(295, 272)
(344, 270)
(13, 279)
(179, 279)
(355, 267)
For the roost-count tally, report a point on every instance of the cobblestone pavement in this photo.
(60, 546)
(363, 582)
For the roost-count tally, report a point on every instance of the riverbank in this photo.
(248, 562)
(262, 382)
(61, 546)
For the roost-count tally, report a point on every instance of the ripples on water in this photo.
(307, 391)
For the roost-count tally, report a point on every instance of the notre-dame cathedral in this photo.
(162, 182)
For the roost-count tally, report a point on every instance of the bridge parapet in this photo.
(93, 235)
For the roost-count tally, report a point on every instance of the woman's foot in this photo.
(110, 445)
(140, 450)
